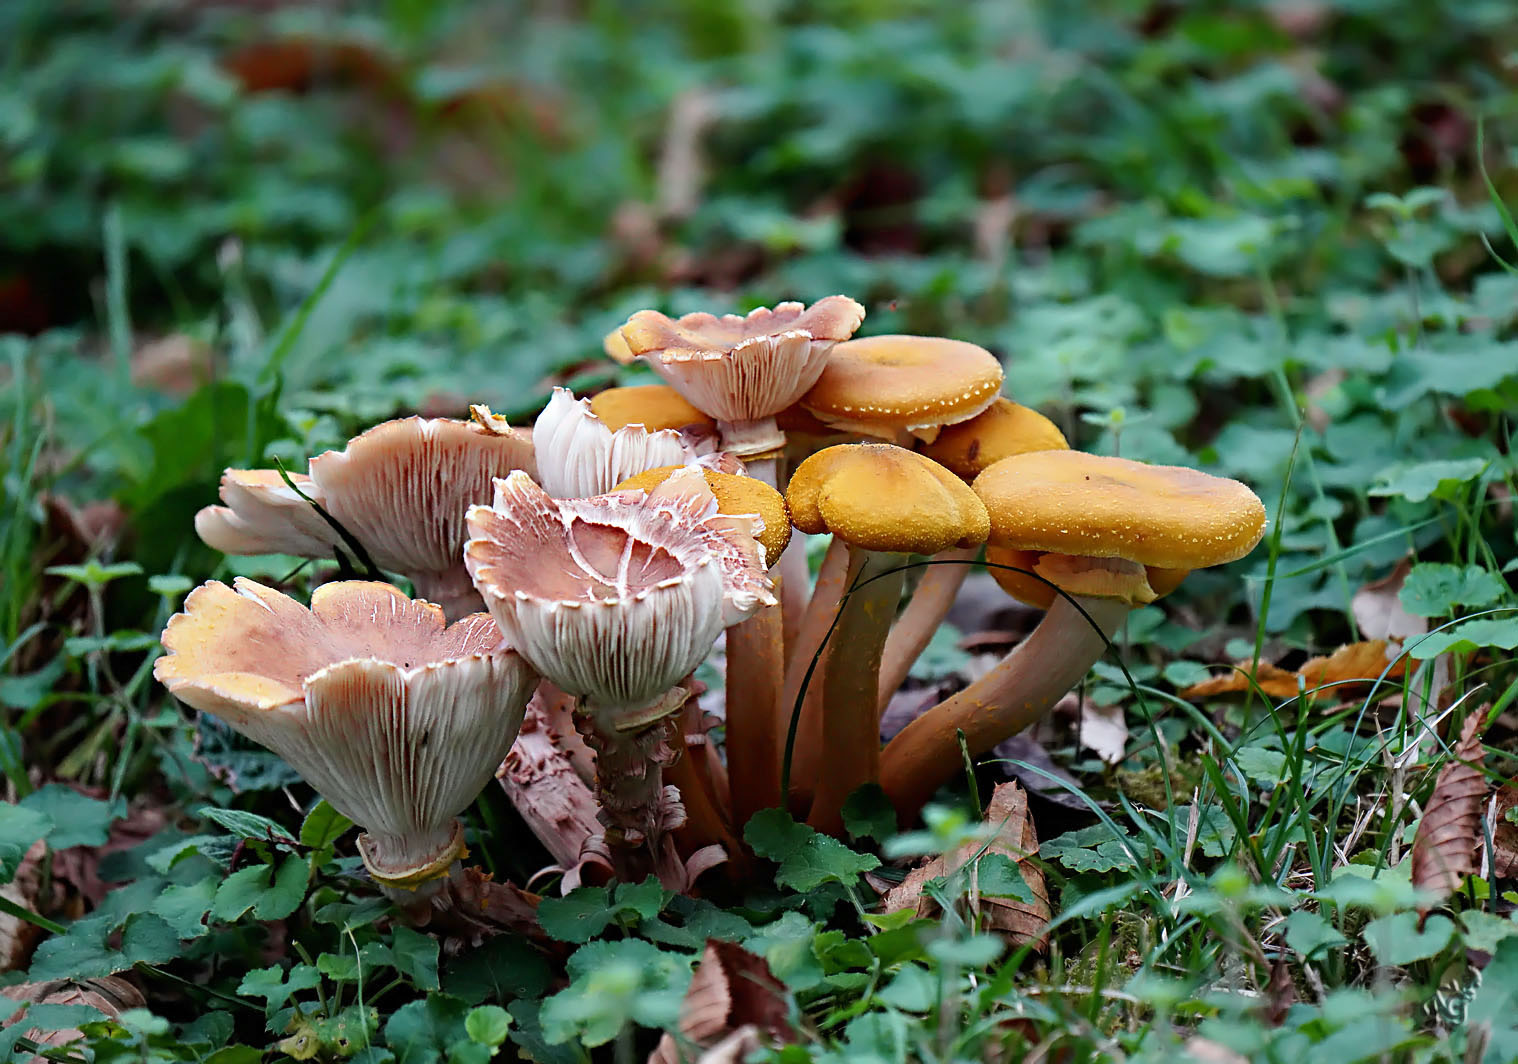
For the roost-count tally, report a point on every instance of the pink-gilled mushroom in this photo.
(399, 490)
(394, 717)
(616, 599)
(743, 370)
(579, 455)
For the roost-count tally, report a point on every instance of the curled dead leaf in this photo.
(1444, 849)
(733, 1006)
(18, 937)
(1357, 664)
(111, 994)
(1504, 834)
(1378, 607)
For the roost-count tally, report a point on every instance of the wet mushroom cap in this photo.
(1001, 430)
(735, 494)
(884, 384)
(881, 497)
(1072, 503)
(654, 406)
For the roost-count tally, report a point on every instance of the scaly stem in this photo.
(1019, 690)
(832, 580)
(925, 611)
(850, 723)
(755, 668)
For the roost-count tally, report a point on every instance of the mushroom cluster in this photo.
(590, 565)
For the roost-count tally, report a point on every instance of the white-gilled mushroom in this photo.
(400, 490)
(394, 717)
(579, 455)
(616, 599)
(743, 370)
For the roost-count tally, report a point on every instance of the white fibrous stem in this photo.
(1016, 693)
(832, 581)
(451, 589)
(914, 629)
(850, 721)
(746, 438)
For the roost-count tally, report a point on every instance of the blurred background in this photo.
(1256, 237)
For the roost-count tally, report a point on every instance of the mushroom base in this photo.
(408, 863)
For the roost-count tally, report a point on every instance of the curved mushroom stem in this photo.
(451, 589)
(792, 579)
(923, 614)
(755, 672)
(832, 580)
(850, 723)
(1014, 694)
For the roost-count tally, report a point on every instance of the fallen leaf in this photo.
(1104, 731)
(1379, 611)
(1280, 992)
(1020, 922)
(1356, 664)
(176, 364)
(733, 991)
(18, 937)
(1504, 834)
(1444, 849)
(111, 994)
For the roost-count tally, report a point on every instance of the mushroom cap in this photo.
(614, 598)
(735, 494)
(999, 431)
(880, 497)
(887, 385)
(1169, 517)
(1035, 592)
(743, 369)
(616, 348)
(654, 406)
(580, 455)
(394, 717)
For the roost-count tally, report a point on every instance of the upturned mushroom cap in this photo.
(396, 719)
(616, 348)
(1072, 503)
(653, 406)
(1001, 430)
(736, 494)
(885, 386)
(615, 598)
(880, 497)
(743, 369)
(1034, 592)
(580, 455)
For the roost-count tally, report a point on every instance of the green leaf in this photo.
(184, 908)
(20, 828)
(998, 876)
(1419, 481)
(807, 858)
(424, 1031)
(1094, 849)
(246, 825)
(323, 826)
(77, 820)
(414, 955)
(1264, 766)
(645, 899)
(974, 951)
(1434, 589)
(488, 1025)
(270, 897)
(502, 969)
(578, 916)
(1396, 939)
(914, 989)
(1499, 632)
(1307, 932)
(869, 814)
(1484, 930)
(276, 986)
(615, 983)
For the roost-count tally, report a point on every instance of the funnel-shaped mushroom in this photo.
(1102, 525)
(396, 719)
(884, 503)
(578, 455)
(1001, 430)
(744, 370)
(399, 489)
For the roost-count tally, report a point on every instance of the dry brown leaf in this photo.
(1355, 664)
(734, 1000)
(18, 937)
(1504, 834)
(176, 364)
(1104, 731)
(1378, 607)
(1280, 993)
(1019, 922)
(1205, 1051)
(111, 994)
(1444, 849)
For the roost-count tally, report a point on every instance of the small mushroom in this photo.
(654, 406)
(400, 489)
(579, 455)
(1001, 430)
(885, 503)
(755, 649)
(901, 388)
(743, 370)
(394, 717)
(1103, 526)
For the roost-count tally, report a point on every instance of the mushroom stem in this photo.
(745, 438)
(1014, 694)
(451, 589)
(832, 579)
(755, 673)
(923, 614)
(850, 723)
(557, 709)
(791, 577)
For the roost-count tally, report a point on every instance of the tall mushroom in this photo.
(616, 598)
(885, 503)
(396, 719)
(1001, 430)
(1099, 523)
(399, 489)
